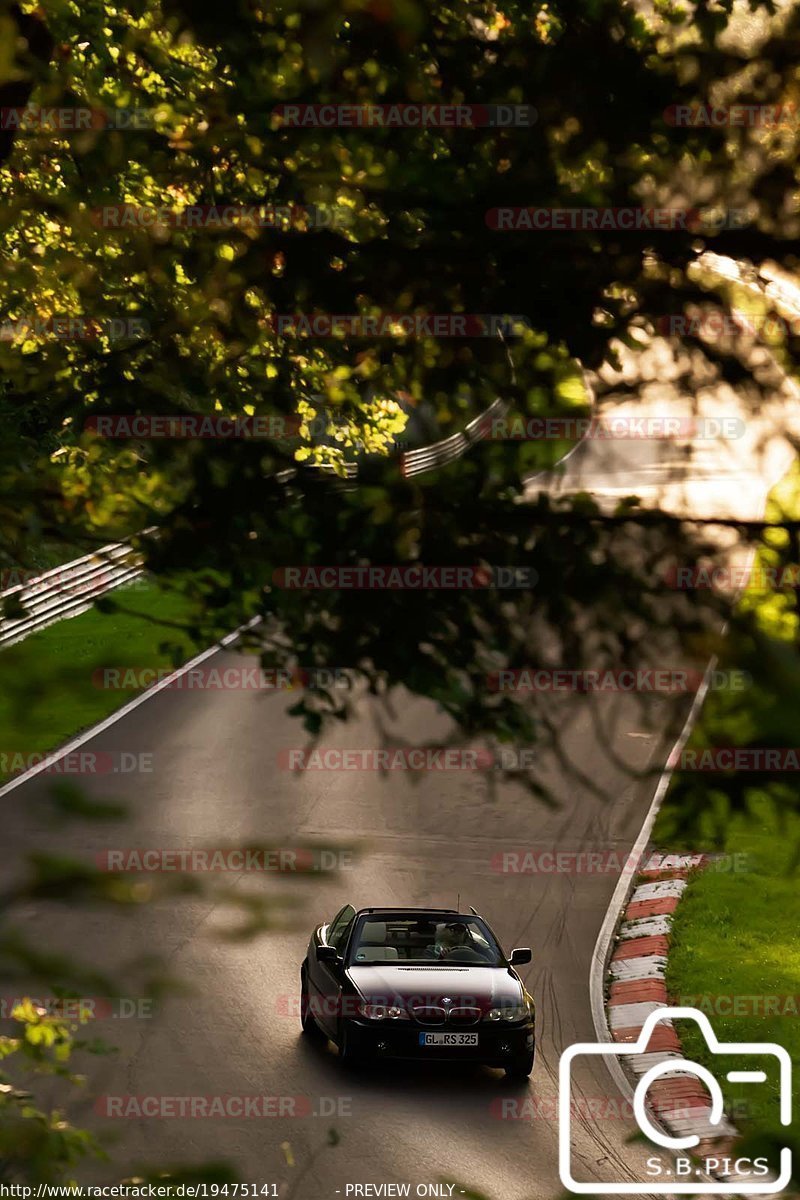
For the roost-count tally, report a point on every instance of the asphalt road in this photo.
(215, 781)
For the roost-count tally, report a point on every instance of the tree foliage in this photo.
(189, 103)
(188, 99)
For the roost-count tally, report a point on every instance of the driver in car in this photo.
(453, 937)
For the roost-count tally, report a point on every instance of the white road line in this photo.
(602, 950)
(54, 756)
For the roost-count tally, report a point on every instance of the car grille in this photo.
(429, 1015)
(464, 1016)
(438, 1015)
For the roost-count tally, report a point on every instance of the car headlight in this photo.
(382, 1012)
(516, 1012)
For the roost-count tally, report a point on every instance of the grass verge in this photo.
(736, 936)
(48, 688)
(736, 957)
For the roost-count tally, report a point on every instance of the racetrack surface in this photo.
(216, 781)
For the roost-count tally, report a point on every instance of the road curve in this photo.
(216, 781)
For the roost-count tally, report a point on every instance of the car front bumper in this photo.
(497, 1047)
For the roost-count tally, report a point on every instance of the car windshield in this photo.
(425, 939)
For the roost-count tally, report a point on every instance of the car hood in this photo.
(485, 987)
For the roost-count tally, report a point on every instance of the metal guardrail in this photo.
(412, 462)
(439, 454)
(68, 590)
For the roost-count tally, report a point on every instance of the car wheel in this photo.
(349, 1056)
(310, 1027)
(520, 1070)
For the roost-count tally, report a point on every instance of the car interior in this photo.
(423, 940)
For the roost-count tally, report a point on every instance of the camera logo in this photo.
(753, 1176)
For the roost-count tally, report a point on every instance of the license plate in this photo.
(448, 1039)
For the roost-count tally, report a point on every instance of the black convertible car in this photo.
(407, 983)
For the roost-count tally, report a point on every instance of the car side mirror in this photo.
(328, 954)
(519, 956)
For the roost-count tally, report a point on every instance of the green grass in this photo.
(737, 933)
(46, 555)
(47, 690)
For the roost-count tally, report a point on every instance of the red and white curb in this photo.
(637, 989)
(642, 967)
